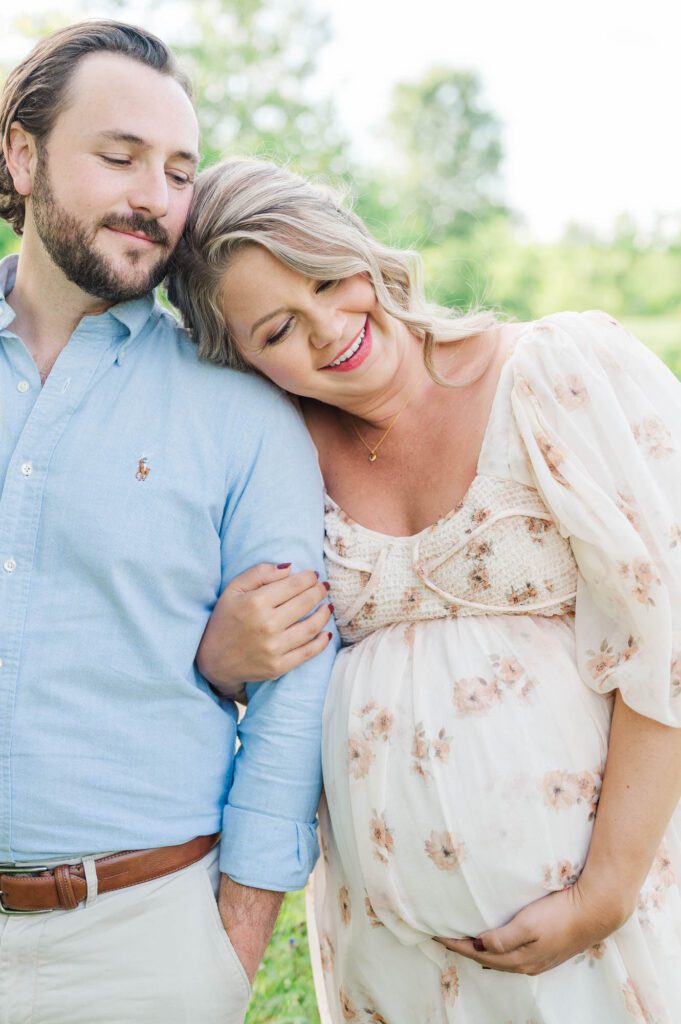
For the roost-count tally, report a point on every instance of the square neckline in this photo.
(457, 509)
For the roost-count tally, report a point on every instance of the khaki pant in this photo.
(156, 953)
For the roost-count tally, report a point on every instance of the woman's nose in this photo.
(328, 329)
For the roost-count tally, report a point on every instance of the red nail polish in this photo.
(479, 946)
(331, 608)
(284, 565)
(327, 585)
(330, 636)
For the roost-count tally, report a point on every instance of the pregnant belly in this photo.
(462, 765)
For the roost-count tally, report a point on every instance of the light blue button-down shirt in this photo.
(135, 484)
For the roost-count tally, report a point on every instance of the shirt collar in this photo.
(132, 316)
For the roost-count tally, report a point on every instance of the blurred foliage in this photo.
(449, 151)
(439, 187)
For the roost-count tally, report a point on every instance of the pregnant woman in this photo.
(502, 751)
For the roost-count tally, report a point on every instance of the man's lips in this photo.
(138, 236)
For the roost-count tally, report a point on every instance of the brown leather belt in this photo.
(36, 890)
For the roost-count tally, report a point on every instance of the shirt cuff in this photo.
(265, 852)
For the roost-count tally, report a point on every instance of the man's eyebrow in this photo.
(263, 319)
(135, 140)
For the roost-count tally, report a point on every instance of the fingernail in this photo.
(330, 636)
(331, 608)
(284, 565)
(327, 585)
(479, 946)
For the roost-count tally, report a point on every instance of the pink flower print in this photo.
(644, 577)
(652, 435)
(381, 837)
(442, 747)
(527, 688)
(445, 851)
(538, 528)
(367, 708)
(360, 757)
(409, 634)
(571, 392)
(480, 515)
(419, 768)
(561, 790)
(479, 549)
(371, 914)
(626, 503)
(364, 578)
(524, 386)
(676, 674)
(411, 600)
(633, 1003)
(339, 546)
(592, 954)
(553, 456)
(348, 1008)
(344, 904)
(327, 952)
(599, 665)
(561, 876)
(523, 594)
(509, 670)
(478, 579)
(476, 696)
(419, 745)
(382, 725)
(449, 985)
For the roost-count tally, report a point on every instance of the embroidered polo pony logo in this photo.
(143, 469)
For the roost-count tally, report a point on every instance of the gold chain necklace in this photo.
(372, 451)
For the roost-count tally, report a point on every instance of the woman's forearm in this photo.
(641, 788)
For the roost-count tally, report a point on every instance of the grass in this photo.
(283, 992)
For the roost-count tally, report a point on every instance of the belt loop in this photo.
(90, 870)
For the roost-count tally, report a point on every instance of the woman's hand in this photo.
(256, 632)
(548, 931)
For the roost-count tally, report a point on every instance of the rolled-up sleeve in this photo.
(275, 514)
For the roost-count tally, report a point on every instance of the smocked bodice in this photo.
(498, 552)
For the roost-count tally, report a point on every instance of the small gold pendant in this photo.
(372, 456)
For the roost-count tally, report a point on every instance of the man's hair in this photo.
(37, 90)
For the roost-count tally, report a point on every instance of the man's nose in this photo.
(149, 193)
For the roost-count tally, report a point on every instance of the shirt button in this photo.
(27, 468)
(9, 565)
(23, 386)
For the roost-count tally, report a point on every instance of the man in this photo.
(136, 482)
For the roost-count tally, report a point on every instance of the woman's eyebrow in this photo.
(268, 316)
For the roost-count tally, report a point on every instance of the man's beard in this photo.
(70, 244)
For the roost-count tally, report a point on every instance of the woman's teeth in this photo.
(351, 351)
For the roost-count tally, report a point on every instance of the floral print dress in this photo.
(466, 727)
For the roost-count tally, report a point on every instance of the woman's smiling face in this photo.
(327, 340)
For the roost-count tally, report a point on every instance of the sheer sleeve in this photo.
(597, 420)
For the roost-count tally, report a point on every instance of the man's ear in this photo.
(21, 157)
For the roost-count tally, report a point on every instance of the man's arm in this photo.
(269, 844)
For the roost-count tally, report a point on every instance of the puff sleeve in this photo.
(597, 423)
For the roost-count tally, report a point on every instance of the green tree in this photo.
(252, 63)
(449, 153)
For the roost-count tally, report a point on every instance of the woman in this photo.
(504, 553)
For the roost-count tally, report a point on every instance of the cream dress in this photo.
(466, 728)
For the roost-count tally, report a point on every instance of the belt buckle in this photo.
(14, 870)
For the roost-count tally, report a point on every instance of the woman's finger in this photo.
(258, 576)
(296, 608)
(513, 962)
(305, 653)
(302, 632)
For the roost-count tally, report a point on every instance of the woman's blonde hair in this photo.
(244, 201)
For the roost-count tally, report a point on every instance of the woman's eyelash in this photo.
(323, 285)
(281, 333)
